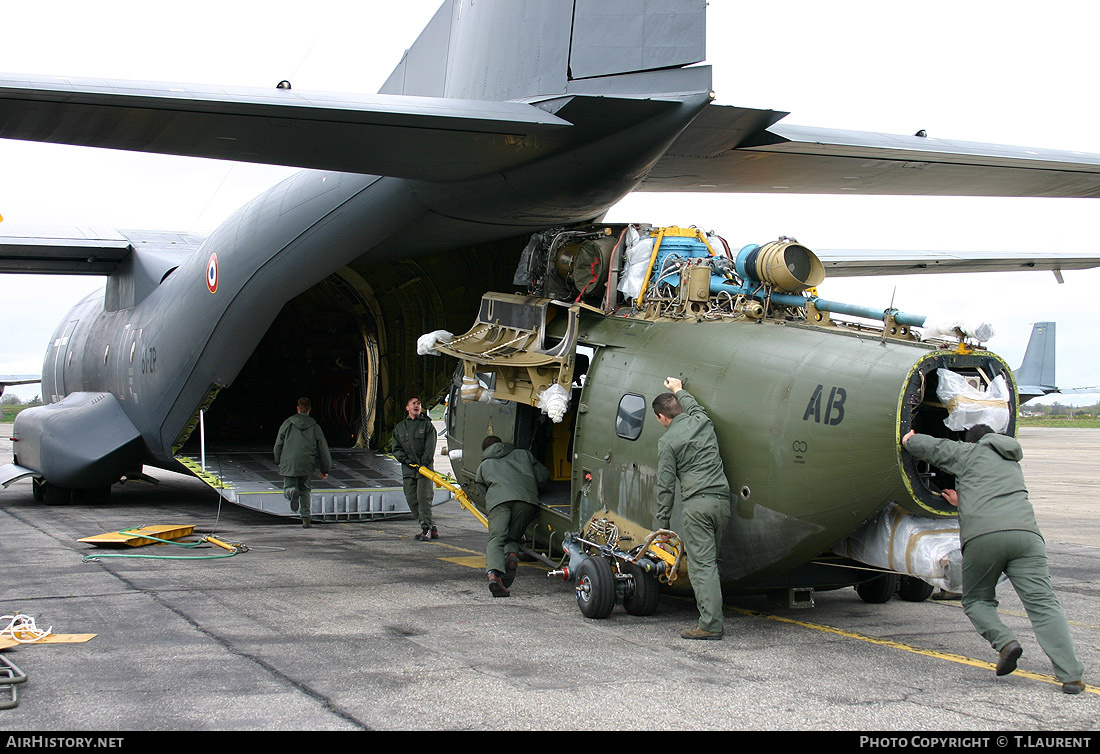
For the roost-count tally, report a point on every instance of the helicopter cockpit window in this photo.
(628, 422)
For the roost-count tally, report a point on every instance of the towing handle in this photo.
(459, 493)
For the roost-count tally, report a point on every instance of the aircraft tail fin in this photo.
(512, 49)
(1037, 371)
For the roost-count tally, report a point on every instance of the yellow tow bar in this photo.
(459, 493)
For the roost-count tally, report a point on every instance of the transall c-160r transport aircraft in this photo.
(469, 196)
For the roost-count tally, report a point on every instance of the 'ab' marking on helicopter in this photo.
(834, 410)
(414, 202)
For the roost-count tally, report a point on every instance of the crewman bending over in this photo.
(509, 479)
(999, 535)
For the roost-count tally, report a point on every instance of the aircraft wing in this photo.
(717, 153)
(380, 134)
(7, 381)
(43, 250)
(861, 262)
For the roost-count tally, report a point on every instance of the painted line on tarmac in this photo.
(476, 559)
(473, 559)
(1019, 614)
(455, 547)
(950, 657)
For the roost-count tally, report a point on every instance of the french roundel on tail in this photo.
(212, 273)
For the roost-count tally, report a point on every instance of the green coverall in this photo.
(688, 452)
(301, 449)
(414, 442)
(508, 478)
(999, 535)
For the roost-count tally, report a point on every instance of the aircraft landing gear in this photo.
(54, 495)
(94, 496)
(881, 589)
(647, 592)
(50, 494)
(912, 589)
(595, 588)
(878, 590)
(604, 574)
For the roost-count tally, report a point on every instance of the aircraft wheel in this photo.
(55, 495)
(94, 496)
(647, 592)
(913, 589)
(595, 588)
(38, 490)
(878, 590)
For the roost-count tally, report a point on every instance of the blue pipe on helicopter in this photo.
(746, 265)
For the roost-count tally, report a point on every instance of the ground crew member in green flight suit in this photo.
(688, 452)
(508, 479)
(301, 449)
(999, 535)
(414, 443)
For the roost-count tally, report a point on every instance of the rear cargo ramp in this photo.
(362, 485)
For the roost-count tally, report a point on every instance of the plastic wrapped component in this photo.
(554, 402)
(968, 405)
(638, 252)
(928, 548)
(526, 270)
(425, 344)
(979, 331)
(473, 391)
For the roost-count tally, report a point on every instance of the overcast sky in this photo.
(999, 72)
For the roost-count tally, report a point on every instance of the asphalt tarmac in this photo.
(357, 626)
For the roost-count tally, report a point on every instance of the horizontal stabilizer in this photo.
(6, 381)
(862, 262)
(51, 250)
(714, 154)
(381, 134)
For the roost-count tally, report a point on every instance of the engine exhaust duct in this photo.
(788, 265)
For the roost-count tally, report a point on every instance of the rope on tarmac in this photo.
(22, 629)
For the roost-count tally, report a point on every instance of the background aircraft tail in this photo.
(511, 49)
(1036, 375)
(1037, 368)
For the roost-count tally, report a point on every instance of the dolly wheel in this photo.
(595, 588)
(647, 592)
